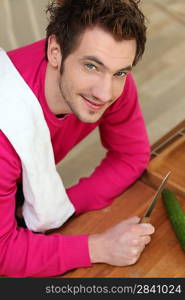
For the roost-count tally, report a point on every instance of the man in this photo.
(84, 81)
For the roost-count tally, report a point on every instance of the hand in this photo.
(122, 244)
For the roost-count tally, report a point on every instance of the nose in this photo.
(103, 89)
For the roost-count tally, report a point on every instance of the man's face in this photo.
(94, 74)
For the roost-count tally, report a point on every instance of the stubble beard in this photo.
(72, 107)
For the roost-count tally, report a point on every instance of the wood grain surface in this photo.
(172, 158)
(163, 257)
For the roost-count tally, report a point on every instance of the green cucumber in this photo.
(175, 214)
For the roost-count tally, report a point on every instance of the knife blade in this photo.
(146, 217)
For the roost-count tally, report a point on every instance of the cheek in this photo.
(68, 83)
(83, 83)
(118, 88)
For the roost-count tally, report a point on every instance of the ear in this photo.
(53, 52)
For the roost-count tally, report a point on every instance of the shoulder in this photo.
(28, 60)
(34, 51)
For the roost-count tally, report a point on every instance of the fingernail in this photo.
(148, 225)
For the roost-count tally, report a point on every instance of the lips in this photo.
(92, 105)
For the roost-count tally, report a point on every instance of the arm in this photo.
(25, 254)
(22, 252)
(123, 134)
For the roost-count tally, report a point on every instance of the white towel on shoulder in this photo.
(46, 203)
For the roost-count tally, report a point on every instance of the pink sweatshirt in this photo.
(122, 130)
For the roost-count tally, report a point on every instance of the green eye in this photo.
(90, 67)
(121, 74)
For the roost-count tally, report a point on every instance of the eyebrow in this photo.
(96, 60)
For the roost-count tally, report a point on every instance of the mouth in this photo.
(91, 104)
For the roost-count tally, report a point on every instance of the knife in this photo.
(146, 217)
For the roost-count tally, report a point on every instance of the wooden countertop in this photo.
(163, 257)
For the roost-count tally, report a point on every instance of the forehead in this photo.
(99, 43)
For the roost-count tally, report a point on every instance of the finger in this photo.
(132, 220)
(141, 241)
(126, 222)
(137, 253)
(146, 239)
(147, 228)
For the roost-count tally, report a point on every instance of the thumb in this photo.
(132, 220)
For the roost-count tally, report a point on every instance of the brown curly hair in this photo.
(69, 19)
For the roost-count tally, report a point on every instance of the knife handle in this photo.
(145, 220)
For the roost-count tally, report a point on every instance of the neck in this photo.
(52, 91)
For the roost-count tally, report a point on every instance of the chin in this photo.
(88, 119)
